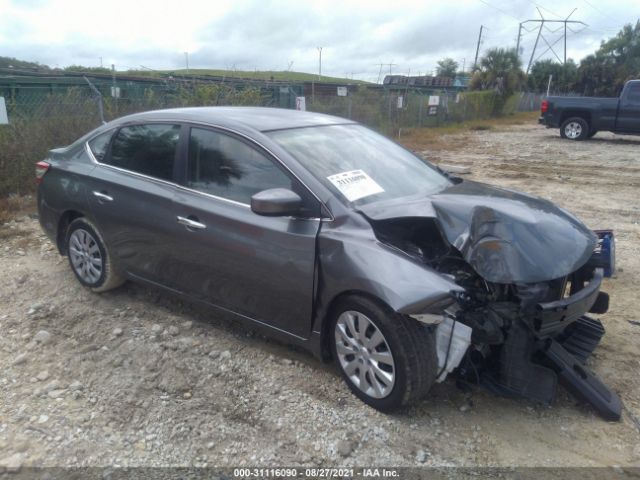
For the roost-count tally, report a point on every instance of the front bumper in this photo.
(551, 317)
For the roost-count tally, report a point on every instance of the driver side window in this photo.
(226, 167)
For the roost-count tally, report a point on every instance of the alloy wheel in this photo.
(573, 130)
(364, 354)
(85, 255)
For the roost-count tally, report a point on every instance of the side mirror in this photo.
(276, 202)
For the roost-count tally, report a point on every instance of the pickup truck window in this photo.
(633, 96)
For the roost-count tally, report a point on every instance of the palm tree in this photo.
(500, 69)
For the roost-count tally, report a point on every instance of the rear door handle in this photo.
(193, 224)
(103, 196)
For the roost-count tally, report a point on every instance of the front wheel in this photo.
(574, 128)
(387, 360)
(89, 257)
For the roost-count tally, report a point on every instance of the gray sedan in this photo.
(327, 235)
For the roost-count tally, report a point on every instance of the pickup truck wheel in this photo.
(574, 128)
(388, 360)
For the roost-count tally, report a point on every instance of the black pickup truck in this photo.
(582, 117)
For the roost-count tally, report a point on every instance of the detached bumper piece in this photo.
(582, 337)
(582, 383)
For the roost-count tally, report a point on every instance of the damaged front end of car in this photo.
(530, 274)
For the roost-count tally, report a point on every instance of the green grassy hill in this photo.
(10, 62)
(257, 75)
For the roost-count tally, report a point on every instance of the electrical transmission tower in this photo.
(384, 65)
(550, 46)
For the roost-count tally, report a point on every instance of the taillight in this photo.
(41, 169)
(544, 106)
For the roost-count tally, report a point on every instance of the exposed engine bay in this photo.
(521, 338)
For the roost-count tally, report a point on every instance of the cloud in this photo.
(356, 35)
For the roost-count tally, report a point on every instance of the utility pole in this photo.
(475, 62)
(114, 86)
(101, 64)
(186, 61)
(518, 42)
(319, 64)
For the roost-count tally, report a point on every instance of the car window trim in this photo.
(261, 147)
(183, 162)
(176, 157)
(250, 144)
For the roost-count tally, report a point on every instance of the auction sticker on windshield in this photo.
(355, 184)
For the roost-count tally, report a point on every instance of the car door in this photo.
(259, 267)
(131, 196)
(629, 112)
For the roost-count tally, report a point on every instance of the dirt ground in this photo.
(134, 377)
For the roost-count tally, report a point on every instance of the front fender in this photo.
(351, 259)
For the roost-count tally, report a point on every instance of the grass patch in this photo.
(16, 205)
(283, 76)
(438, 138)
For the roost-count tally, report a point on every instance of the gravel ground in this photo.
(136, 378)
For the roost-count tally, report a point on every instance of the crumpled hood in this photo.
(506, 236)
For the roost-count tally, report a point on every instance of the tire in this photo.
(574, 128)
(89, 257)
(404, 353)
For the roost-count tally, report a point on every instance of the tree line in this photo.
(602, 73)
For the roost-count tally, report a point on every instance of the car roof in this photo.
(257, 118)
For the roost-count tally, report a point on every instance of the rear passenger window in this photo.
(147, 149)
(226, 167)
(100, 144)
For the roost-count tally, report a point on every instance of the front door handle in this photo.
(103, 196)
(191, 224)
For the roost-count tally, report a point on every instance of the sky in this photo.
(356, 36)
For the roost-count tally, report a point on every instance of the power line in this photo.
(604, 13)
(498, 9)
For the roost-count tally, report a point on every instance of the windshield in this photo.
(359, 165)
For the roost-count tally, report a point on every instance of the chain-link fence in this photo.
(390, 111)
(45, 116)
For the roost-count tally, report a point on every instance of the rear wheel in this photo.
(574, 128)
(386, 359)
(89, 258)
